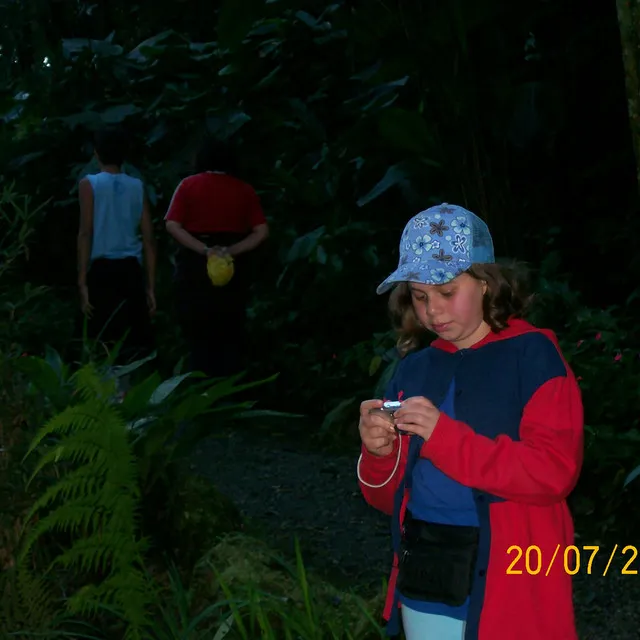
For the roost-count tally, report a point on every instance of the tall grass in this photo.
(248, 611)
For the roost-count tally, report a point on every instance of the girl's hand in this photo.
(377, 432)
(418, 416)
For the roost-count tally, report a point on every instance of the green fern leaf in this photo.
(27, 602)
(76, 484)
(96, 502)
(92, 385)
(72, 419)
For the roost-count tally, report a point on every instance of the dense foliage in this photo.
(348, 117)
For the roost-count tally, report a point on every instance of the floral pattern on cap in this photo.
(439, 244)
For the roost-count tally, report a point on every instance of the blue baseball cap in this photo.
(438, 244)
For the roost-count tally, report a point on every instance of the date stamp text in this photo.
(532, 561)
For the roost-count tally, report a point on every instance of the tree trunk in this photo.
(629, 22)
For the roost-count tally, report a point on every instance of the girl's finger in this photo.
(378, 443)
(410, 417)
(368, 405)
(411, 428)
(417, 401)
(380, 425)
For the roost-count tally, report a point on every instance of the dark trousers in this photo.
(212, 319)
(118, 296)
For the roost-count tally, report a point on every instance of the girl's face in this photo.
(453, 311)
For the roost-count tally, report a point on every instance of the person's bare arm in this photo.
(85, 232)
(257, 236)
(185, 238)
(149, 244)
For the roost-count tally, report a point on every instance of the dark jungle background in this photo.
(348, 118)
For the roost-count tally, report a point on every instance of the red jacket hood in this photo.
(515, 327)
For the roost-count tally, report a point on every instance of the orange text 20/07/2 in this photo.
(531, 560)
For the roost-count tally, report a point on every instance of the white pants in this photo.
(428, 626)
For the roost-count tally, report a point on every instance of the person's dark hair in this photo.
(215, 155)
(507, 297)
(111, 145)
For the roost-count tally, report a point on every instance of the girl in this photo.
(476, 465)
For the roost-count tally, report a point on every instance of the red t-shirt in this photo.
(214, 202)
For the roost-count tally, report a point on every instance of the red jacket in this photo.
(519, 446)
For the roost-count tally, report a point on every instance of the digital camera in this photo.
(390, 407)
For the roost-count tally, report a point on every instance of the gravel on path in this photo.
(289, 490)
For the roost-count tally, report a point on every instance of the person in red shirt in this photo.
(214, 212)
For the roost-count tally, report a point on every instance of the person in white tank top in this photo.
(115, 238)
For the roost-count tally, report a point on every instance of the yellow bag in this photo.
(220, 269)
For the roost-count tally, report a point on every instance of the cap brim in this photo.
(421, 276)
(386, 285)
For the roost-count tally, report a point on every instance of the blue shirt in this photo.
(435, 497)
(117, 212)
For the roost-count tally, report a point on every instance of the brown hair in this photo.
(506, 298)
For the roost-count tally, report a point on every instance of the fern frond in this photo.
(85, 481)
(127, 593)
(71, 518)
(122, 589)
(71, 419)
(96, 502)
(78, 483)
(94, 444)
(104, 553)
(27, 602)
(73, 452)
(92, 385)
(81, 516)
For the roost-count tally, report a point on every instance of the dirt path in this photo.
(288, 491)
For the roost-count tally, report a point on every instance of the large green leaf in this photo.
(632, 476)
(149, 46)
(307, 19)
(227, 125)
(166, 388)
(128, 369)
(88, 119)
(92, 120)
(203, 50)
(379, 96)
(393, 176)
(136, 402)
(45, 377)
(18, 162)
(269, 78)
(118, 113)
(305, 245)
(53, 359)
(74, 46)
(337, 417)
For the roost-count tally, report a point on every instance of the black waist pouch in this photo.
(437, 561)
